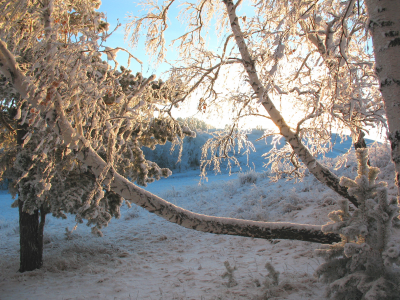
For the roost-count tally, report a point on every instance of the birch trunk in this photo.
(384, 24)
(323, 174)
(143, 198)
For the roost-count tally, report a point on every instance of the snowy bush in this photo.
(230, 188)
(172, 193)
(251, 176)
(272, 277)
(255, 205)
(229, 274)
(132, 213)
(248, 177)
(364, 265)
(379, 154)
(195, 124)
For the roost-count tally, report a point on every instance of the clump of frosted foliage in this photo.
(365, 264)
(115, 113)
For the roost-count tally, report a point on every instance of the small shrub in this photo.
(229, 273)
(171, 193)
(230, 188)
(47, 239)
(272, 277)
(132, 213)
(4, 225)
(248, 177)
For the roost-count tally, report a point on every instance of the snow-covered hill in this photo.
(142, 256)
(253, 160)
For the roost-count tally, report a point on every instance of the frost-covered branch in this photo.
(319, 171)
(132, 193)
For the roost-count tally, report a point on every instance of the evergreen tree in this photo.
(363, 264)
(45, 172)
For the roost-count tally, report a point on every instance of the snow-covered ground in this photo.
(142, 256)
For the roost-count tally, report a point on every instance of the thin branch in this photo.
(302, 65)
(123, 49)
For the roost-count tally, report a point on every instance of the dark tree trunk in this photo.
(360, 143)
(31, 240)
(30, 230)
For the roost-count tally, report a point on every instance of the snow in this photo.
(142, 256)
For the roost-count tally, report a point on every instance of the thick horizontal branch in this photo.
(205, 223)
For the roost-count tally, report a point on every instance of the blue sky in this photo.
(119, 11)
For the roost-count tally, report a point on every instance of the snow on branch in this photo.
(132, 193)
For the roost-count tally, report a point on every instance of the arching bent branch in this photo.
(323, 174)
(145, 199)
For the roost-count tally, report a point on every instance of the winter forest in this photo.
(112, 190)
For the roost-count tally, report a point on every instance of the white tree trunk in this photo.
(384, 23)
(320, 172)
(145, 199)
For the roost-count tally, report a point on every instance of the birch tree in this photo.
(384, 25)
(312, 56)
(65, 90)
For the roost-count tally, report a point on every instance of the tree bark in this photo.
(384, 24)
(360, 142)
(31, 240)
(30, 230)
